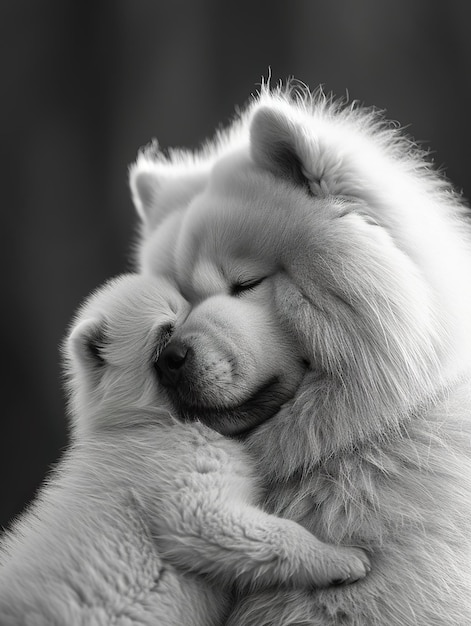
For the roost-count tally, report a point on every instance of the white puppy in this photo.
(142, 503)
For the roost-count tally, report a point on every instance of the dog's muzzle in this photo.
(175, 369)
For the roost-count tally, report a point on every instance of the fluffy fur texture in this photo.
(355, 245)
(142, 502)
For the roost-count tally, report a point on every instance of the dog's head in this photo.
(308, 237)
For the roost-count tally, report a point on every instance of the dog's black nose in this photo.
(171, 363)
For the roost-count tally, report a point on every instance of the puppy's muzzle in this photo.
(172, 363)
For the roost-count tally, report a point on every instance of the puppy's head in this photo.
(112, 348)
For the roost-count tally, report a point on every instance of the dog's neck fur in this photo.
(302, 449)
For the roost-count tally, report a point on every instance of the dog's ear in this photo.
(145, 185)
(277, 144)
(86, 344)
(160, 185)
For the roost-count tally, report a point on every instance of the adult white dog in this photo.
(325, 221)
(141, 499)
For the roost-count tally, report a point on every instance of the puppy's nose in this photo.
(171, 363)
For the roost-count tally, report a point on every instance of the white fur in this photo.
(365, 251)
(141, 503)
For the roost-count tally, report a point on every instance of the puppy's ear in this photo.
(86, 344)
(276, 143)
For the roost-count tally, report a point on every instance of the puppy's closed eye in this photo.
(162, 335)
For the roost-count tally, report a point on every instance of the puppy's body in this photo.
(85, 555)
(142, 502)
(360, 252)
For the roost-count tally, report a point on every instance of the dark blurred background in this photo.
(85, 83)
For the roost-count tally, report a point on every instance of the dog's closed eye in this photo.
(247, 285)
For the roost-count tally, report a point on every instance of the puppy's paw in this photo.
(344, 565)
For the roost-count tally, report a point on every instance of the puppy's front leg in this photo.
(234, 542)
